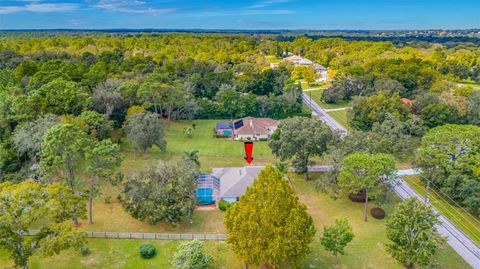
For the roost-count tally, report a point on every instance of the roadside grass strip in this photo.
(469, 224)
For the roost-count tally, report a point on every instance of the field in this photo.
(317, 97)
(273, 59)
(462, 219)
(367, 250)
(213, 152)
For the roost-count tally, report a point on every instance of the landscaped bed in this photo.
(367, 249)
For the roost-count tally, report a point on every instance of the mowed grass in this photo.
(367, 250)
(469, 224)
(317, 97)
(213, 152)
(273, 59)
(111, 217)
(124, 253)
(341, 117)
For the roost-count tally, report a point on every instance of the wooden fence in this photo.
(157, 236)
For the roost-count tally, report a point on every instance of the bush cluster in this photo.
(377, 213)
(147, 251)
(224, 205)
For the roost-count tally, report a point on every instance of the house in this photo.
(406, 101)
(250, 128)
(319, 69)
(294, 59)
(224, 129)
(234, 181)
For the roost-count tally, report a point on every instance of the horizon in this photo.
(235, 29)
(366, 15)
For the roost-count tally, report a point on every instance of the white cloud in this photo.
(267, 3)
(135, 6)
(36, 7)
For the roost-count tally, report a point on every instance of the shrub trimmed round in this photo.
(147, 251)
(357, 197)
(377, 213)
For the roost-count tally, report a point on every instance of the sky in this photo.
(247, 14)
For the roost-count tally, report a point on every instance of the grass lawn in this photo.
(466, 222)
(273, 59)
(341, 117)
(473, 84)
(367, 250)
(213, 152)
(123, 253)
(317, 97)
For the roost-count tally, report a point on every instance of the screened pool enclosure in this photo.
(208, 189)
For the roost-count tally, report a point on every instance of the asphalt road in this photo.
(460, 242)
(323, 115)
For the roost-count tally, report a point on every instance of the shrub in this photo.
(108, 199)
(357, 197)
(224, 205)
(191, 255)
(85, 251)
(377, 213)
(147, 251)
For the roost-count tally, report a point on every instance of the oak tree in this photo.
(336, 237)
(411, 230)
(29, 203)
(300, 138)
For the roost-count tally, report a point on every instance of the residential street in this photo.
(323, 115)
(461, 243)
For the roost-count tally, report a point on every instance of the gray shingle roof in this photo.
(235, 180)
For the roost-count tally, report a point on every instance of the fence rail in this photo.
(156, 236)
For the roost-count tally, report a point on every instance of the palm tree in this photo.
(282, 167)
(188, 131)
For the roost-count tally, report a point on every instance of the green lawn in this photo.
(317, 97)
(473, 84)
(341, 117)
(123, 253)
(466, 222)
(367, 250)
(273, 59)
(213, 152)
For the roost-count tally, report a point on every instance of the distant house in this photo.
(321, 70)
(294, 59)
(224, 129)
(407, 101)
(250, 128)
(235, 180)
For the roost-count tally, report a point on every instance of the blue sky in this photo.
(247, 14)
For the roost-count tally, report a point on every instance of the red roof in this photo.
(406, 101)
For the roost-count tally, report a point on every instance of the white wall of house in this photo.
(323, 76)
(230, 199)
(252, 137)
